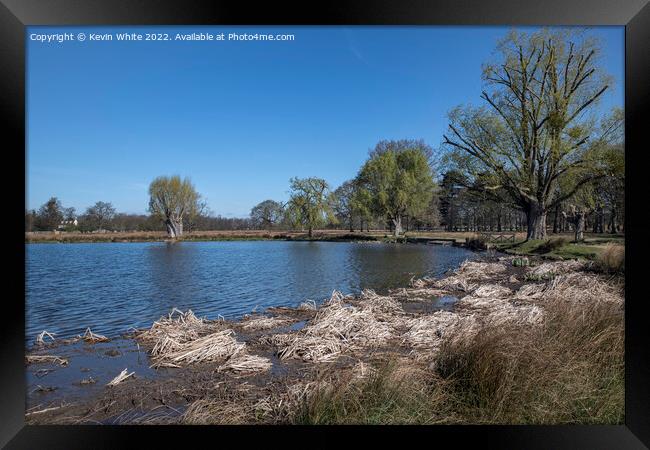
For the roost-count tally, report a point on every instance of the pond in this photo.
(111, 287)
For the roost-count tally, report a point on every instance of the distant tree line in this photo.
(102, 217)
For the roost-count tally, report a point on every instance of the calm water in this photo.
(112, 287)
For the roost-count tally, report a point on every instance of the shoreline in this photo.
(554, 247)
(262, 359)
(223, 236)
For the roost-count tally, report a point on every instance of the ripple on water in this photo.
(112, 287)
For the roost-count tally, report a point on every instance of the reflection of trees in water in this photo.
(310, 270)
(172, 271)
(380, 267)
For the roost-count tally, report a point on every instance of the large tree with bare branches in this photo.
(535, 126)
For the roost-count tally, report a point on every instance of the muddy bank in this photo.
(259, 369)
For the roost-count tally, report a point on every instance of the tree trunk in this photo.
(580, 227)
(351, 224)
(397, 226)
(556, 220)
(310, 232)
(174, 228)
(536, 222)
(613, 226)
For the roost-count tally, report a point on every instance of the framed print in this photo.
(370, 217)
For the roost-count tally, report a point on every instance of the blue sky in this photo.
(241, 118)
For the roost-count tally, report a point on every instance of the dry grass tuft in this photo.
(570, 369)
(612, 258)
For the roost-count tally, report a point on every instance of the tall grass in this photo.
(612, 258)
(568, 370)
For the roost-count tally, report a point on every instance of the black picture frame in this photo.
(15, 15)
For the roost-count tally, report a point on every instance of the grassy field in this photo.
(562, 246)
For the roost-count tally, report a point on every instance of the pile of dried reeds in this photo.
(218, 346)
(533, 291)
(474, 270)
(427, 332)
(492, 290)
(456, 282)
(178, 326)
(339, 326)
(243, 363)
(181, 340)
(557, 267)
(263, 323)
(582, 287)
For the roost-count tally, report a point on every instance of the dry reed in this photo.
(36, 359)
(123, 375)
(40, 339)
(92, 338)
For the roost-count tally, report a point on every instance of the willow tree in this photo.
(172, 199)
(534, 125)
(309, 205)
(396, 183)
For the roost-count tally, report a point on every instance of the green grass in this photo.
(568, 250)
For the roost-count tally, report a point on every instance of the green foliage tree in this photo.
(360, 203)
(267, 214)
(171, 199)
(30, 220)
(605, 156)
(309, 204)
(394, 183)
(534, 126)
(49, 215)
(343, 203)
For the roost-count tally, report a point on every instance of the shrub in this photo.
(612, 258)
(539, 277)
(476, 242)
(520, 262)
